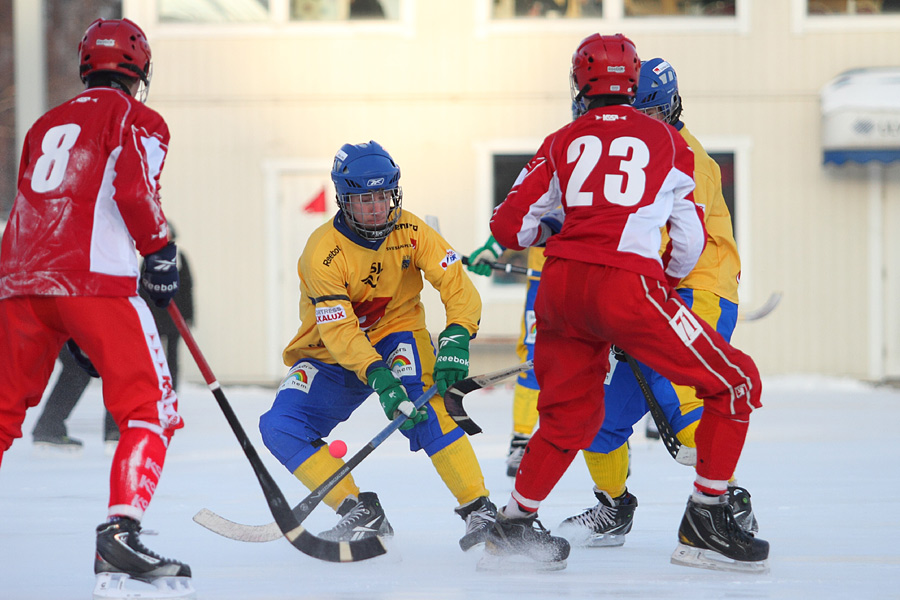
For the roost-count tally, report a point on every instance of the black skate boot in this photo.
(360, 519)
(709, 538)
(603, 525)
(516, 452)
(739, 498)
(121, 556)
(512, 539)
(479, 515)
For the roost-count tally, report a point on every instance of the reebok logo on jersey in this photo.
(450, 258)
(685, 325)
(327, 314)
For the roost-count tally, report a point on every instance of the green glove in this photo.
(479, 260)
(393, 397)
(452, 363)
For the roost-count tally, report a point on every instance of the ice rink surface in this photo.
(822, 462)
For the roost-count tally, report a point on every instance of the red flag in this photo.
(317, 204)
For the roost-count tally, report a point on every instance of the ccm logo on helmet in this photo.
(373, 182)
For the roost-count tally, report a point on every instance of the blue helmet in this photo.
(366, 180)
(657, 93)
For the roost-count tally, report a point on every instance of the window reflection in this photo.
(550, 9)
(256, 11)
(666, 8)
(213, 11)
(852, 7)
(580, 9)
(310, 10)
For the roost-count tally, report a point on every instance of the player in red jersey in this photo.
(87, 198)
(620, 176)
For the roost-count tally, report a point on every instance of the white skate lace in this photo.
(478, 517)
(600, 517)
(356, 514)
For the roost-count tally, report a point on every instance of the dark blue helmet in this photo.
(657, 91)
(367, 182)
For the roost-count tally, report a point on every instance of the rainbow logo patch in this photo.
(402, 360)
(299, 378)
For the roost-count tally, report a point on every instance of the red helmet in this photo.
(605, 64)
(116, 45)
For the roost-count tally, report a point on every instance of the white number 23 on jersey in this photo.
(586, 152)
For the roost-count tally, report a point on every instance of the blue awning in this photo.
(861, 116)
(839, 157)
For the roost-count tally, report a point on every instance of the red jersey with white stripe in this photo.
(88, 197)
(620, 176)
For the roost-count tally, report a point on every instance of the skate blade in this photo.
(605, 541)
(515, 563)
(120, 585)
(46, 449)
(584, 538)
(688, 556)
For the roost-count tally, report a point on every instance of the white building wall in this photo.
(444, 86)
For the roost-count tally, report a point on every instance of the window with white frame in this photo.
(582, 9)
(505, 167)
(845, 15)
(725, 159)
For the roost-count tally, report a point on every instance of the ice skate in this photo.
(516, 452)
(360, 519)
(739, 498)
(603, 525)
(522, 544)
(125, 568)
(479, 515)
(710, 538)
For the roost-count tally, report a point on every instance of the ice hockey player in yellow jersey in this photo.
(363, 329)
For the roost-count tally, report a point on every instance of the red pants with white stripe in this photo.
(582, 309)
(121, 339)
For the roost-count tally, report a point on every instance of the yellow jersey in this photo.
(354, 292)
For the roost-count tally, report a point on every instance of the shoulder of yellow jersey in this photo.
(322, 247)
(704, 165)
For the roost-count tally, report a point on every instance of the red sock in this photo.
(720, 441)
(135, 472)
(541, 468)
